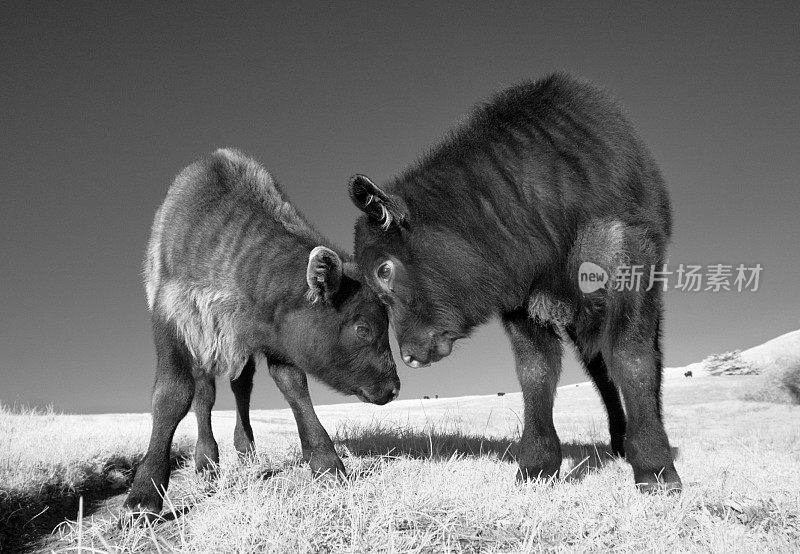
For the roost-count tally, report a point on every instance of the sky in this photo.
(101, 104)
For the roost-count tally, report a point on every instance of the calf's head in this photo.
(342, 337)
(423, 271)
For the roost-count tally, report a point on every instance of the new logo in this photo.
(591, 277)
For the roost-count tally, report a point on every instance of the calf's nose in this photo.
(443, 347)
(412, 362)
(415, 359)
(379, 395)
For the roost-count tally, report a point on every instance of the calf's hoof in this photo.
(245, 450)
(664, 481)
(242, 443)
(206, 458)
(537, 473)
(139, 509)
(540, 464)
(327, 463)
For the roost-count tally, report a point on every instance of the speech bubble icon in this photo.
(591, 277)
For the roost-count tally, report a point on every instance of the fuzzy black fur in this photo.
(496, 220)
(232, 272)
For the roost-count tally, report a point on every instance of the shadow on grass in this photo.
(27, 518)
(435, 444)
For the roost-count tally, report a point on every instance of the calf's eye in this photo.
(385, 272)
(363, 331)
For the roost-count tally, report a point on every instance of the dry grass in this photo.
(48, 459)
(438, 475)
(779, 364)
(779, 383)
(740, 499)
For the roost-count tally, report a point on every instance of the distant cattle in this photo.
(531, 209)
(501, 394)
(687, 374)
(232, 272)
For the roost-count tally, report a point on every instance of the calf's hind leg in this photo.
(317, 446)
(635, 363)
(172, 397)
(596, 367)
(242, 387)
(537, 352)
(206, 452)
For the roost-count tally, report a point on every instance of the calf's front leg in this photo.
(206, 451)
(242, 388)
(537, 352)
(317, 446)
(172, 397)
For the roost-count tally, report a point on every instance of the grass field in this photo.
(425, 475)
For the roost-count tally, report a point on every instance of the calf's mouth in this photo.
(380, 398)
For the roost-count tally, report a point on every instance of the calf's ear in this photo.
(388, 210)
(323, 275)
